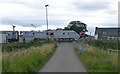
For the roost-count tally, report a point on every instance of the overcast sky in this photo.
(23, 13)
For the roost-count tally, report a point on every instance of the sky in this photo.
(23, 13)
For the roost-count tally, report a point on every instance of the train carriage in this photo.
(26, 36)
(11, 36)
(59, 35)
(63, 35)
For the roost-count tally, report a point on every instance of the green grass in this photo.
(0, 59)
(8, 47)
(104, 44)
(27, 60)
(97, 60)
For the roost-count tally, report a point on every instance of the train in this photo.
(27, 36)
(9, 36)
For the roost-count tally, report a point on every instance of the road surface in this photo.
(64, 60)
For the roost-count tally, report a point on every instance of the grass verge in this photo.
(97, 60)
(27, 60)
(8, 47)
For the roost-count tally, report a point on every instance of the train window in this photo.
(46, 33)
(63, 33)
(24, 40)
(68, 33)
(13, 34)
(33, 33)
(51, 33)
(8, 34)
(20, 32)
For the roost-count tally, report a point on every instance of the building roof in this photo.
(4, 32)
(109, 31)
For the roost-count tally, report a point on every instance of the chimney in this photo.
(13, 27)
(96, 28)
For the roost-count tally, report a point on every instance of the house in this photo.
(107, 33)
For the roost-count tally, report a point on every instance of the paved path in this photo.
(64, 60)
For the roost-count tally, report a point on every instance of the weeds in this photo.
(28, 59)
(17, 46)
(97, 60)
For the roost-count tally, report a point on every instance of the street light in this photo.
(47, 16)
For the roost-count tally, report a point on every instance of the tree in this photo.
(59, 29)
(77, 26)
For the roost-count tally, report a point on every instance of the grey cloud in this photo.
(36, 22)
(23, 22)
(109, 24)
(91, 30)
(95, 6)
(34, 5)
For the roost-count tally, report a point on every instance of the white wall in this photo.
(3, 38)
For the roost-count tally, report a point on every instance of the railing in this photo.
(111, 50)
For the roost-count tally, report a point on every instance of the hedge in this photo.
(104, 44)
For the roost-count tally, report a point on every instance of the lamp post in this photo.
(47, 16)
(47, 20)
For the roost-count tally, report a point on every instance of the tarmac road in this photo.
(64, 60)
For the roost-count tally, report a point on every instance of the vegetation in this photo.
(97, 60)
(104, 44)
(0, 61)
(77, 26)
(29, 59)
(18, 46)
